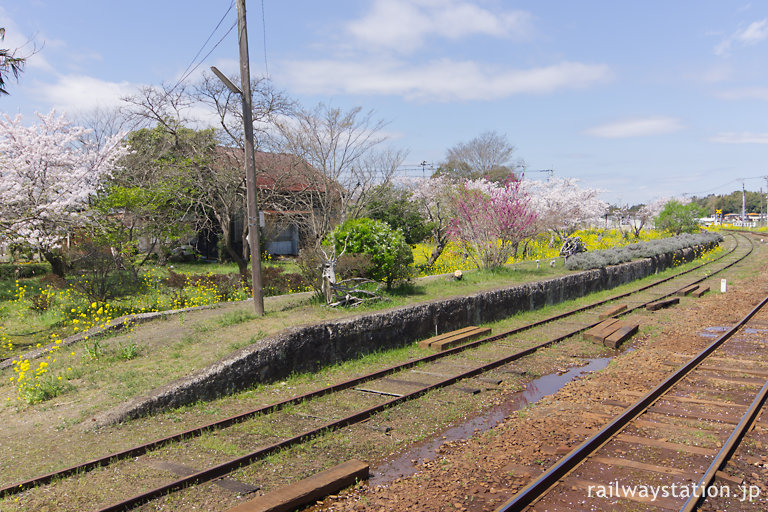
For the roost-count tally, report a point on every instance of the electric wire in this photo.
(187, 71)
(264, 35)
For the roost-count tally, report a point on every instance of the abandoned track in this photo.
(650, 453)
(391, 386)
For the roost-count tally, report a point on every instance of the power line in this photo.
(735, 180)
(192, 66)
(264, 34)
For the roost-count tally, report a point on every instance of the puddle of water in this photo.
(750, 330)
(712, 332)
(408, 463)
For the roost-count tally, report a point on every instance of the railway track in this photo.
(670, 448)
(310, 415)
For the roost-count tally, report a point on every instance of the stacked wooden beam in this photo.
(454, 338)
(612, 332)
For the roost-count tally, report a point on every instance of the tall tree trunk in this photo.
(57, 261)
(226, 235)
(242, 264)
(442, 242)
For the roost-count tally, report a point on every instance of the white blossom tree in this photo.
(646, 213)
(562, 206)
(434, 199)
(48, 172)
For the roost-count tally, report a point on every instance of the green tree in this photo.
(391, 257)
(677, 217)
(154, 195)
(396, 207)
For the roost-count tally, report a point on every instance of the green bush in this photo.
(602, 258)
(390, 257)
(679, 218)
(11, 271)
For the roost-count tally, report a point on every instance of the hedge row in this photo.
(602, 258)
(22, 270)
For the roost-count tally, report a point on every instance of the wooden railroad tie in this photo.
(181, 470)
(687, 290)
(663, 303)
(701, 290)
(309, 490)
(454, 338)
(615, 310)
(612, 332)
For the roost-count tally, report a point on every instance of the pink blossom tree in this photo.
(48, 172)
(491, 220)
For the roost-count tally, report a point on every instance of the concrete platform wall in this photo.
(309, 347)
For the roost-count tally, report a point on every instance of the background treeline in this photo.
(731, 203)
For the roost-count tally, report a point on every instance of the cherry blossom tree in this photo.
(562, 206)
(646, 213)
(48, 172)
(434, 199)
(491, 220)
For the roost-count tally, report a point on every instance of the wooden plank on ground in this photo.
(181, 470)
(666, 445)
(615, 310)
(663, 303)
(459, 339)
(308, 490)
(689, 400)
(700, 291)
(621, 335)
(602, 330)
(425, 343)
(687, 290)
(652, 468)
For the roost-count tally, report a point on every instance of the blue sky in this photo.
(640, 99)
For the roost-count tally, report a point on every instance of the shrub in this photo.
(390, 256)
(275, 281)
(222, 285)
(602, 258)
(11, 271)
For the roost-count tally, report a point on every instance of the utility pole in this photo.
(766, 201)
(743, 203)
(250, 164)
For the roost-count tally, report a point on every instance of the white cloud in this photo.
(746, 93)
(754, 33)
(442, 80)
(641, 127)
(79, 93)
(403, 25)
(740, 138)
